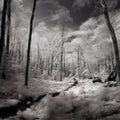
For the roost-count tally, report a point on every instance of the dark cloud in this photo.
(44, 9)
(47, 8)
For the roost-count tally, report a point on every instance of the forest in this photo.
(59, 60)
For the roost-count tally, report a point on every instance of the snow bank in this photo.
(53, 105)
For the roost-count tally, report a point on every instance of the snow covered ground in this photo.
(85, 101)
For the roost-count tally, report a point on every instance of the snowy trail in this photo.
(81, 101)
(5, 106)
(85, 101)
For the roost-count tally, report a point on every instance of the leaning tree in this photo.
(104, 6)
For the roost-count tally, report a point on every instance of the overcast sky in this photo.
(47, 9)
(81, 26)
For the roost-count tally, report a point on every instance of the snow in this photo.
(86, 100)
(28, 114)
(8, 102)
(91, 101)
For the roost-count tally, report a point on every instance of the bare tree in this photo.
(2, 39)
(64, 63)
(102, 6)
(52, 63)
(113, 35)
(78, 61)
(61, 54)
(73, 66)
(38, 59)
(9, 26)
(79, 52)
(64, 17)
(29, 44)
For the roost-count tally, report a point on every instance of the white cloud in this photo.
(61, 15)
(55, 17)
(93, 35)
(89, 25)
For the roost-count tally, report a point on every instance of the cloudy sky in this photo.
(48, 10)
(79, 20)
(83, 22)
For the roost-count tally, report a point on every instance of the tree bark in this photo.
(2, 40)
(9, 26)
(61, 56)
(73, 66)
(78, 55)
(29, 44)
(52, 61)
(113, 35)
(6, 53)
(38, 60)
(48, 65)
(64, 64)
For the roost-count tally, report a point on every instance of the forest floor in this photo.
(84, 101)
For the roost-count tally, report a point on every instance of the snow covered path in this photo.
(85, 101)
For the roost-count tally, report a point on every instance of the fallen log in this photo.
(97, 79)
(8, 107)
(54, 94)
(74, 84)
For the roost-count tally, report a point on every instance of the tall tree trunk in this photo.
(113, 35)
(112, 61)
(19, 53)
(29, 44)
(2, 39)
(73, 66)
(61, 56)
(64, 64)
(52, 60)
(84, 66)
(38, 59)
(6, 54)
(48, 65)
(9, 26)
(98, 65)
(42, 65)
(78, 55)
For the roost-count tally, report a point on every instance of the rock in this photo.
(12, 101)
(13, 118)
(19, 113)
(29, 103)
(43, 109)
(8, 102)
(20, 97)
(8, 107)
(28, 114)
